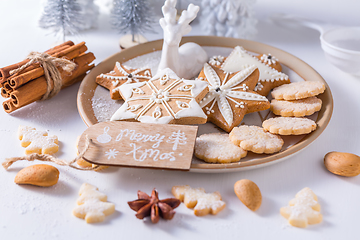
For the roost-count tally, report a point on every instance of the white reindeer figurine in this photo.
(186, 61)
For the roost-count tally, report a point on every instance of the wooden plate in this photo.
(88, 86)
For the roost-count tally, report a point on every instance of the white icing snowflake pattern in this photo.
(216, 60)
(228, 90)
(112, 153)
(157, 97)
(268, 59)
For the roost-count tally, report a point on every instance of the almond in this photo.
(42, 175)
(248, 193)
(342, 163)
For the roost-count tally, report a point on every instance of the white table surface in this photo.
(28, 212)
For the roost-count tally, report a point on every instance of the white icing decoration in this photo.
(216, 60)
(157, 113)
(138, 91)
(268, 59)
(131, 77)
(222, 93)
(159, 97)
(186, 88)
(239, 59)
(182, 105)
(134, 108)
(164, 79)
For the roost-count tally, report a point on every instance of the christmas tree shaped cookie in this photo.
(120, 75)
(163, 99)
(92, 204)
(269, 78)
(230, 95)
(304, 209)
(203, 203)
(36, 141)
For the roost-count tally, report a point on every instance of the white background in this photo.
(28, 212)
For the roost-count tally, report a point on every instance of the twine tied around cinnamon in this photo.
(52, 74)
(49, 158)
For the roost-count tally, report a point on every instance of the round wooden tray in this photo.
(88, 86)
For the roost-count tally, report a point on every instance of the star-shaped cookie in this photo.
(269, 77)
(230, 96)
(120, 75)
(163, 99)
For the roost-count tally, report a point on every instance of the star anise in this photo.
(151, 206)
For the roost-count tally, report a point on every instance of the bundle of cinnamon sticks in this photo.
(30, 85)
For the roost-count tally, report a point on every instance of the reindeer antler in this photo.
(169, 12)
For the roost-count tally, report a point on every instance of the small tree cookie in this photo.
(36, 141)
(304, 209)
(92, 204)
(203, 203)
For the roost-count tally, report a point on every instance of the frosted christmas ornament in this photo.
(186, 61)
(229, 18)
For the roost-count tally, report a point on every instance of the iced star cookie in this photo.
(217, 148)
(255, 139)
(296, 108)
(120, 75)
(289, 125)
(230, 96)
(298, 90)
(165, 98)
(303, 210)
(269, 77)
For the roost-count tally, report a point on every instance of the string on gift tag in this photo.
(49, 158)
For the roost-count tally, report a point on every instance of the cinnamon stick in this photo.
(68, 53)
(4, 93)
(9, 106)
(5, 71)
(34, 90)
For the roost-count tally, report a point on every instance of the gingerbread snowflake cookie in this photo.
(296, 108)
(163, 99)
(255, 139)
(289, 125)
(230, 96)
(120, 75)
(269, 77)
(217, 148)
(298, 90)
(303, 210)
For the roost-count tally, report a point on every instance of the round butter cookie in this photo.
(298, 90)
(289, 125)
(256, 139)
(217, 148)
(296, 108)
